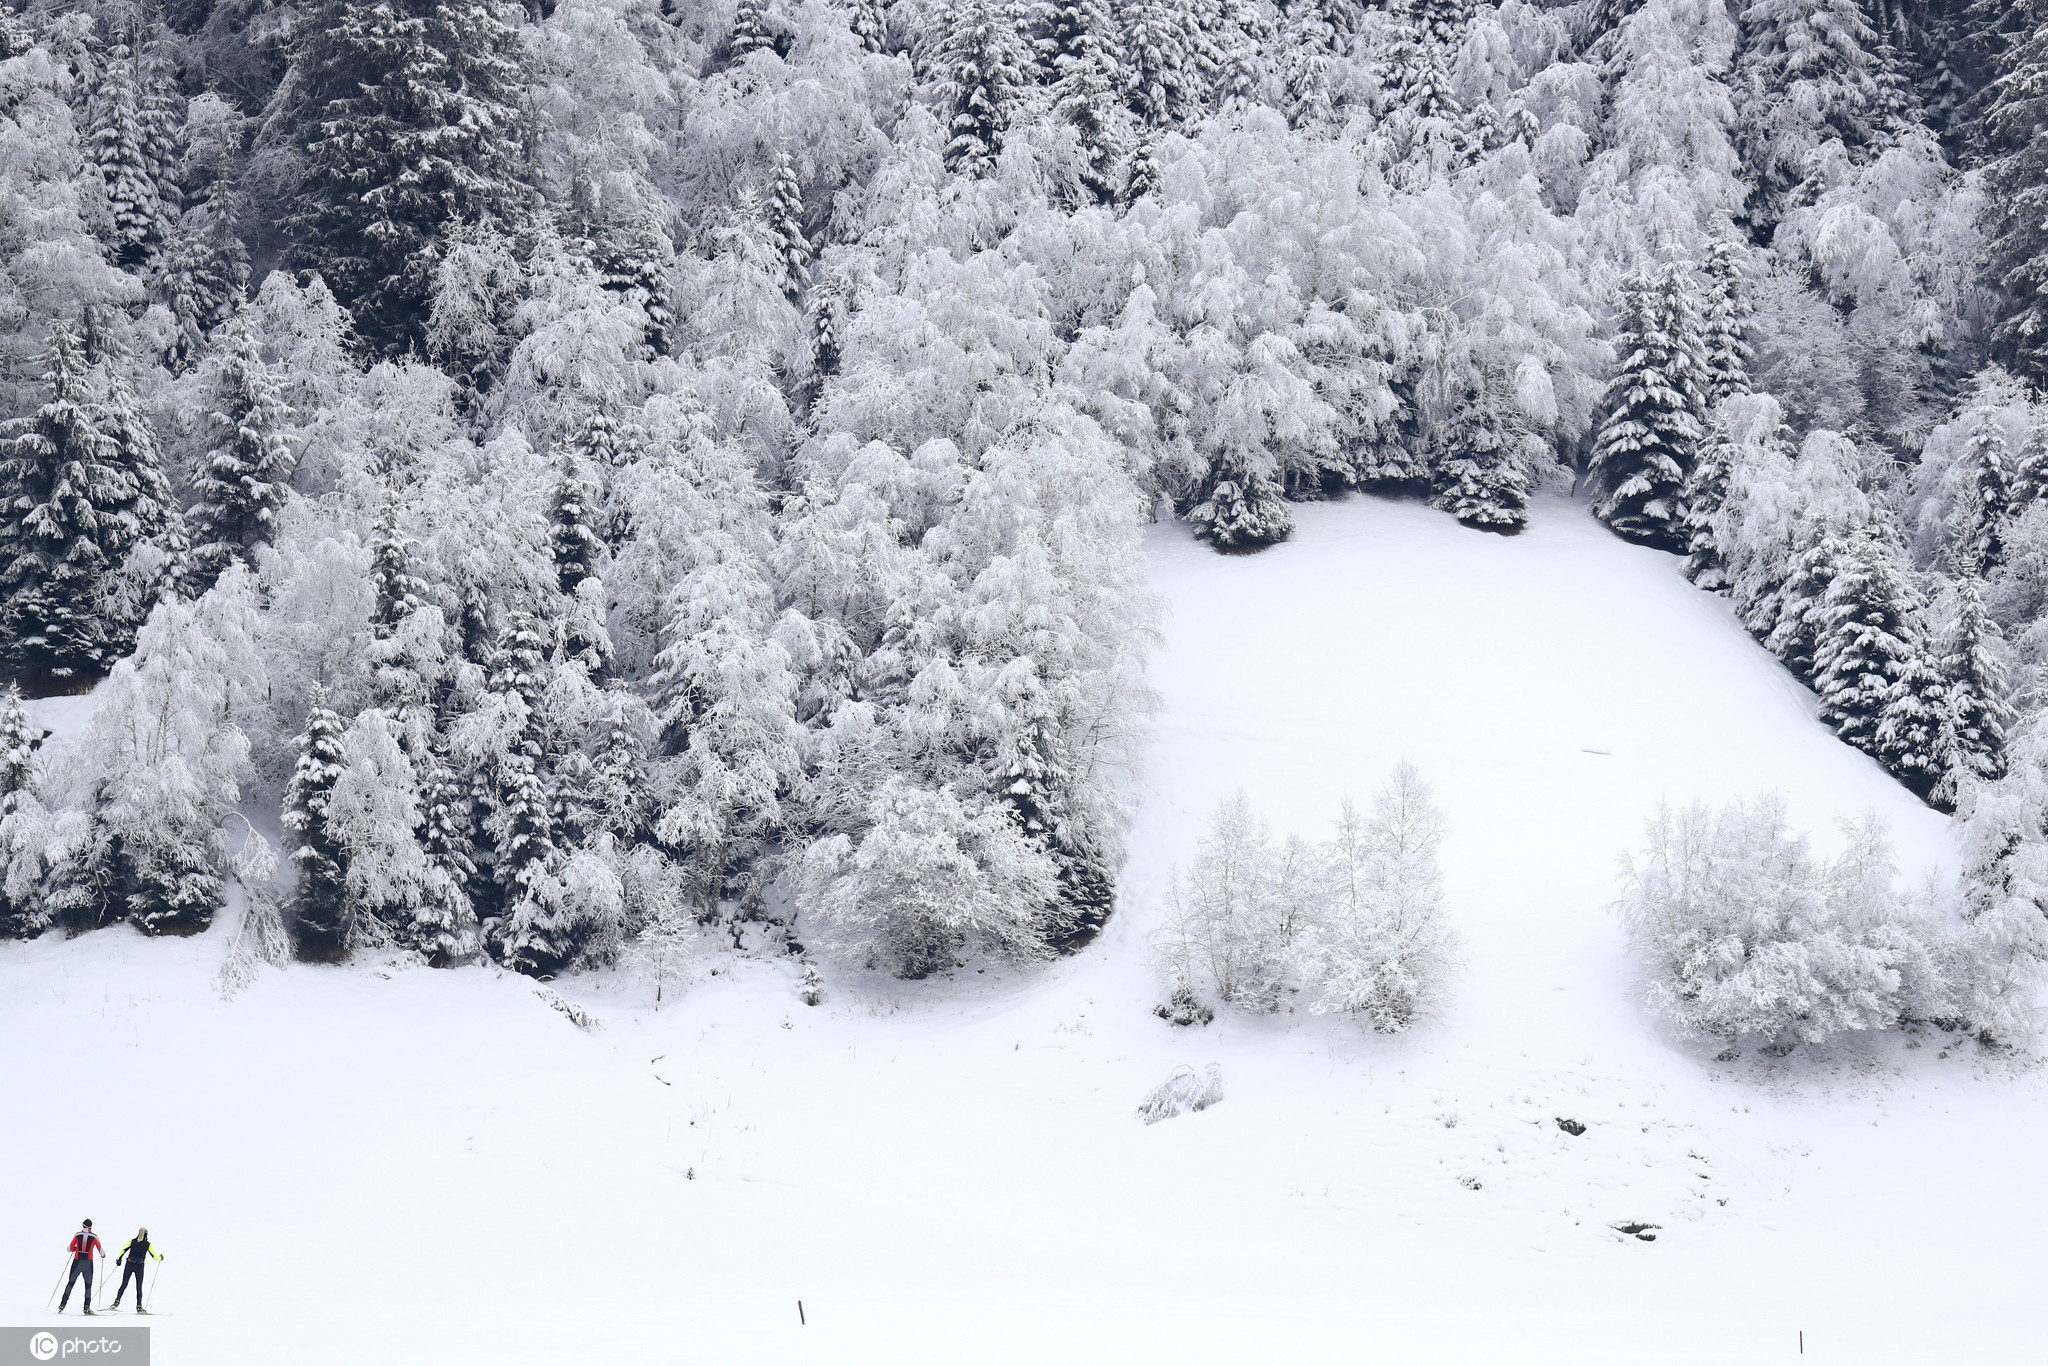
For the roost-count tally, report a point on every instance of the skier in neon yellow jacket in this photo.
(131, 1260)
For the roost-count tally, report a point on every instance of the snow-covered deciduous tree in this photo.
(665, 950)
(1745, 936)
(161, 767)
(932, 879)
(1380, 946)
(1238, 911)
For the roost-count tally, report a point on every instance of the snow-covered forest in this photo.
(541, 484)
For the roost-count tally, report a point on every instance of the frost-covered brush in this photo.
(1183, 1092)
(261, 937)
(578, 1016)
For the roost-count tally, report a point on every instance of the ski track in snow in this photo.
(378, 1164)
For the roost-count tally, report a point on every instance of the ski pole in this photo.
(139, 1300)
(51, 1302)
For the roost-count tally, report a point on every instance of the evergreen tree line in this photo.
(688, 457)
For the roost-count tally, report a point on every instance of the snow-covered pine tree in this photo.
(533, 931)
(164, 111)
(1482, 474)
(752, 28)
(979, 66)
(409, 129)
(1031, 784)
(615, 798)
(1442, 22)
(1164, 81)
(1984, 494)
(1077, 52)
(318, 909)
(573, 537)
(246, 475)
(2015, 136)
(205, 273)
(447, 825)
(80, 487)
(1704, 494)
(399, 591)
(1654, 407)
(869, 21)
(1141, 171)
(19, 739)
(1243, 506)
(1879, 687)
(785, 223)
(1805, 78)
(119, 148)
(1309, 43)
(1244, 44)
(1976, 712)
(1724, 321)
(578, 545)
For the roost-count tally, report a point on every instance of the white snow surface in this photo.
(390, 1164)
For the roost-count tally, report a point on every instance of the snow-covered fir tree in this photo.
(1880, 688)
(785, 221)
(408, 119)
(1976, 710)
(752, 28)
(205, 271)
(979, 67)
(19, 739)
(1724, 322)
(2016, 174)
(126, 156)
(1243, 507)
(82, 488)
(1654, 409)
(1076, 48)
(246, 473)
(1482, 474)
(1163, 64)
(318, 910)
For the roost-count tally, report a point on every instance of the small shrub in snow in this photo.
(1745, 934)
(1183, 1092)
(1358, 921)
(811, 989)
(1185, 1008)
(664, 952)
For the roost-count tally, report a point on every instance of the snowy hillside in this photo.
(360, 1163)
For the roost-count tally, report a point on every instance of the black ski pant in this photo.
(130, 1271)
(80, 1266)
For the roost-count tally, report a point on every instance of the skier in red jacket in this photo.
(84, 1244)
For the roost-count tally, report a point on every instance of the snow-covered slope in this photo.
(351, 1165)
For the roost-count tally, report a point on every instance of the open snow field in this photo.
(378, 1165)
